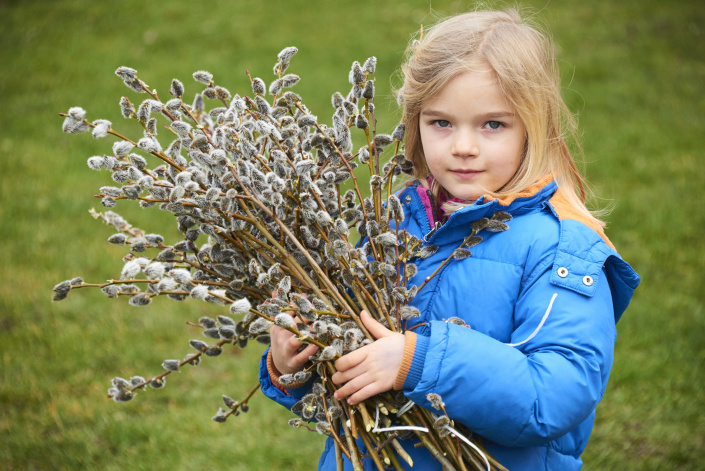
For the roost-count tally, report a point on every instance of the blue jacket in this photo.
(541, 300)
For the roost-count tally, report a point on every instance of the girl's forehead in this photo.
(477, 77)
(479, 69)
(469, 85)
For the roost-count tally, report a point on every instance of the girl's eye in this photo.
(494, 125)
(441, 123)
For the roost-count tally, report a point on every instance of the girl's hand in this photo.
(285, 348)
(371, 369)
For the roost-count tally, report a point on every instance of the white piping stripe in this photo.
(545, 316)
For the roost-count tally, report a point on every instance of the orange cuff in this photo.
(274, 375)
(406, 360)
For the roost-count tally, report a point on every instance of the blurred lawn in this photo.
(633, 71)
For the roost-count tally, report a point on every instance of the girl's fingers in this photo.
(342, 376)
(376, 329)
(366, 392)
(293, 343)
(353, 386)
(351, 359)
(305, 354)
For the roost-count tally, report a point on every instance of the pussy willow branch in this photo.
(339, 447)
(448, 259)
(189, 359)
(166, 112)
(220, 343)
(116, 134)
(238, 404)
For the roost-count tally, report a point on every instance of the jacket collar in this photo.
(528, 193)
(456, 226)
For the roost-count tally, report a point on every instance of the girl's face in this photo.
(472, 137)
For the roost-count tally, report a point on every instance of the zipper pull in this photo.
(432, 231)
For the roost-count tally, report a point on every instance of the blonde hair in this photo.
(523, 62)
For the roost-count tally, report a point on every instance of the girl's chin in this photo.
(470, 196)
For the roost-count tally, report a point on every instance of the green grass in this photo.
(633, 72)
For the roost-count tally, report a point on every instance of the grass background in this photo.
(633, 72)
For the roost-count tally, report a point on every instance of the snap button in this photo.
(587, 280)
(408, 199)
(562, 272)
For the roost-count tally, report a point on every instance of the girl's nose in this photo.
(465, 144)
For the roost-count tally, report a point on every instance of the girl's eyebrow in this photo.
(498, 114)
(490, 115)
(432, 113)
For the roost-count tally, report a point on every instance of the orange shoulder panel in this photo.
(565, 210)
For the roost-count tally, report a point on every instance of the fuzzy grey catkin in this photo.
(203, 77)
(240, 306)
(258, 87)
(101, 127)
(287, 53)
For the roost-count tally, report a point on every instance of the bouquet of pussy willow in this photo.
(255, 186)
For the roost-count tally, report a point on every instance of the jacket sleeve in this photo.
(539, 386)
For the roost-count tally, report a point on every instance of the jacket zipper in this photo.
(436, 219)
(434, 209)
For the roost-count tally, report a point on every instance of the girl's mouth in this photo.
(465, 173)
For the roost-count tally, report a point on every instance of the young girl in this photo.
(485, 130)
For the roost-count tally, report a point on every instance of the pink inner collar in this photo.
(426, 200)
(428, 206)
